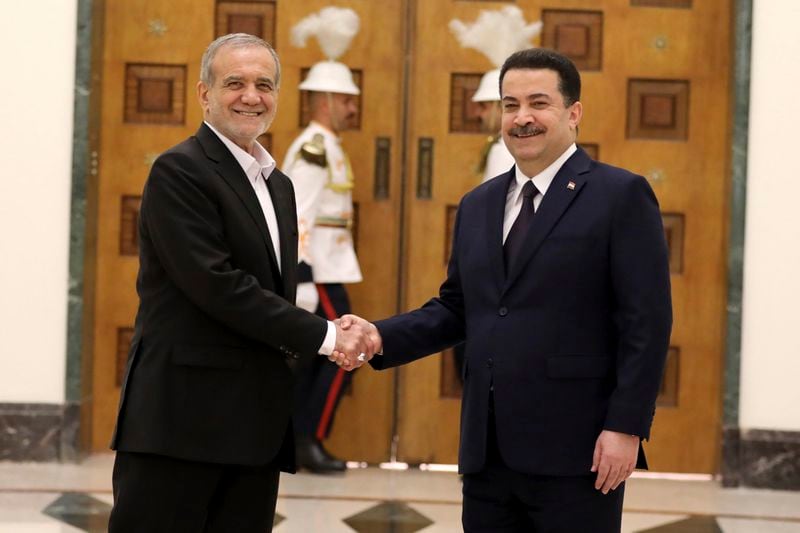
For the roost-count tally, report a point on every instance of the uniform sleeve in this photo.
(498, 161)
(309, 181)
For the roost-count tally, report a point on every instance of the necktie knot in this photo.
(529, 190)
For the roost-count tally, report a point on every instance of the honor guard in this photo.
(497, 34)
(323, 183)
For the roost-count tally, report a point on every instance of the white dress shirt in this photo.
(258, 167)
(542, 181)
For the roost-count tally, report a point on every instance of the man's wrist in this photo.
(329, 342)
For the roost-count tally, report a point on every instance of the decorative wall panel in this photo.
(668, 393)
(128, 227)
(305, 103)
(425, 168)
(155, 94)
(464, 113)
(658, 109)
(662, 3)
(576, 34)
(124, 337)
(256, 17)
(383, 160)
(673, 231)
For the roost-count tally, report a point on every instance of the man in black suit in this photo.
(559, 284)
(204, 426)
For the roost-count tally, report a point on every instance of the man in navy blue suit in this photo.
(559, 284)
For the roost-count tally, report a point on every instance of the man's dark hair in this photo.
(569, 81)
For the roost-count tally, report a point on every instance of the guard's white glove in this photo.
(307, 296)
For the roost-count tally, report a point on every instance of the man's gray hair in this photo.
(236, 40)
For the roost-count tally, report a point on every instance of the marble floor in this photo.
(62, 498)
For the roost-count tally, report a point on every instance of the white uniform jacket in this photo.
(498, 161)
(323, 187)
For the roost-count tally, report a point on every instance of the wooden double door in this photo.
(656, 99)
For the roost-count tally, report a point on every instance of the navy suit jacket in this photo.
(208, 375)
(573, 340)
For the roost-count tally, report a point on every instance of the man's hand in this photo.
(614, 459)
(367, 340)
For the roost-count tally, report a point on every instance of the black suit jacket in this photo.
(573, 340)
(207, 376)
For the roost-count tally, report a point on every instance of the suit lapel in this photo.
(495, 213)
(282, 201)
(230, 170)
(565, 187)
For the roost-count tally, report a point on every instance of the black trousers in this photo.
(501, 500)
(157, 494)
(320, 384)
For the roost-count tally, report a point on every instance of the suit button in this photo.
(503, 311)
(489, 363)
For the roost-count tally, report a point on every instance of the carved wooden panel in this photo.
(256, 17)
(576, 34)
(668, 392)
(425, 168)
(449, 377)
(673, 231)
(662, 3)
(265, 140)
(658, 109)
(155, 94)
(383, 159)
(129, 225)
(464, 113)
(124, 337)
(449, 226)
(591, 149)
(305, 102)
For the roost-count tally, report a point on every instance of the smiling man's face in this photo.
(537, 126)
(243, 97)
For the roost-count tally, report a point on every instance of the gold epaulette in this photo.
(313, 151)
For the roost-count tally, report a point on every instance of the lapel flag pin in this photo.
(571, 185)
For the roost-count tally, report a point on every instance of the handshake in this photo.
(357, 340)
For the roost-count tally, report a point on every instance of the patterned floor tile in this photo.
(89, 514)
(693, 524)
(81, 511)
(388, 517)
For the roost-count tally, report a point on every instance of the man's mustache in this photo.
(526, 130)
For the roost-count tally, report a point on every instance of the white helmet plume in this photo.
(334, 28)
(497, 34)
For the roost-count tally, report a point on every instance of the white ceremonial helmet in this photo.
(496, 34)
(334, 28)
(489, 87)
(330, 77)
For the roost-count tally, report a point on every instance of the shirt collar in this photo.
(543, 179)
(253, 165)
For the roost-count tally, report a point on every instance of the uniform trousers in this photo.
(319, 383)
